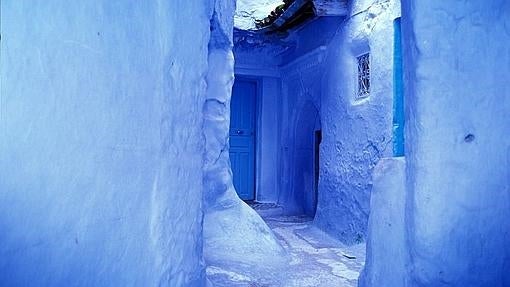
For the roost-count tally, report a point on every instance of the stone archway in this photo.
(301, 198)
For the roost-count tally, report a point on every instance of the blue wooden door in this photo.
(242, 137)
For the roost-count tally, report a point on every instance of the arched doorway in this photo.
(307, 137)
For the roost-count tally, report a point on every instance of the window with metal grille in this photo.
(363, 76)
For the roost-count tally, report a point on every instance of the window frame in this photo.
(363, 76)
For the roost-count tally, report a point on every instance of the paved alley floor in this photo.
(316, 259)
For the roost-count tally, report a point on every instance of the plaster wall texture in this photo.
(309, 36)
(267, 145)
(234, 234)
(255, 63)
(301, 103)
(457, 106)
(387, 253)
(356, 132)
(303, 66)
(257, 55)
(318, 84)
(101, 142)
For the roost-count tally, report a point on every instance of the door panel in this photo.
(242, 137)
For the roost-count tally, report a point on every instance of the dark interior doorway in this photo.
(317, 142)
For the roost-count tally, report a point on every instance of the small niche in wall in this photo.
(363, 90)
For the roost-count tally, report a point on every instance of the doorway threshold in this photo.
(266, 209)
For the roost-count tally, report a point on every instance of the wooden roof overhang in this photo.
(302, 10)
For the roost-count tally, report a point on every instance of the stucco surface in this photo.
(457, 107)
(99, 102)
(316, 64)
(356, 132)
(387, 255)
(234, 234)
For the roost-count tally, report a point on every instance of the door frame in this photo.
(257, 107)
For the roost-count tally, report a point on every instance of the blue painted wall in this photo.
(457, 148)
(356, 132)
(101, 142)
(318, 80)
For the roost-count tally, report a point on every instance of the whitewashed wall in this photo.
(456, 185)
(235, 236)
(458, 104)
(356, 133)
(318, 87)
(101, 142)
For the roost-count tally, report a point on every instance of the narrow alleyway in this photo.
(316, 259)
(166, 143)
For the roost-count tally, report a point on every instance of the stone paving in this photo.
(315, 259)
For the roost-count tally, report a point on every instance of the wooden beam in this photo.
(317, 8)
(289, 13)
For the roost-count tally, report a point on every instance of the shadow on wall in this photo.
(302, 195)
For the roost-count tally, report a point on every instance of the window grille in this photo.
(363, 76)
